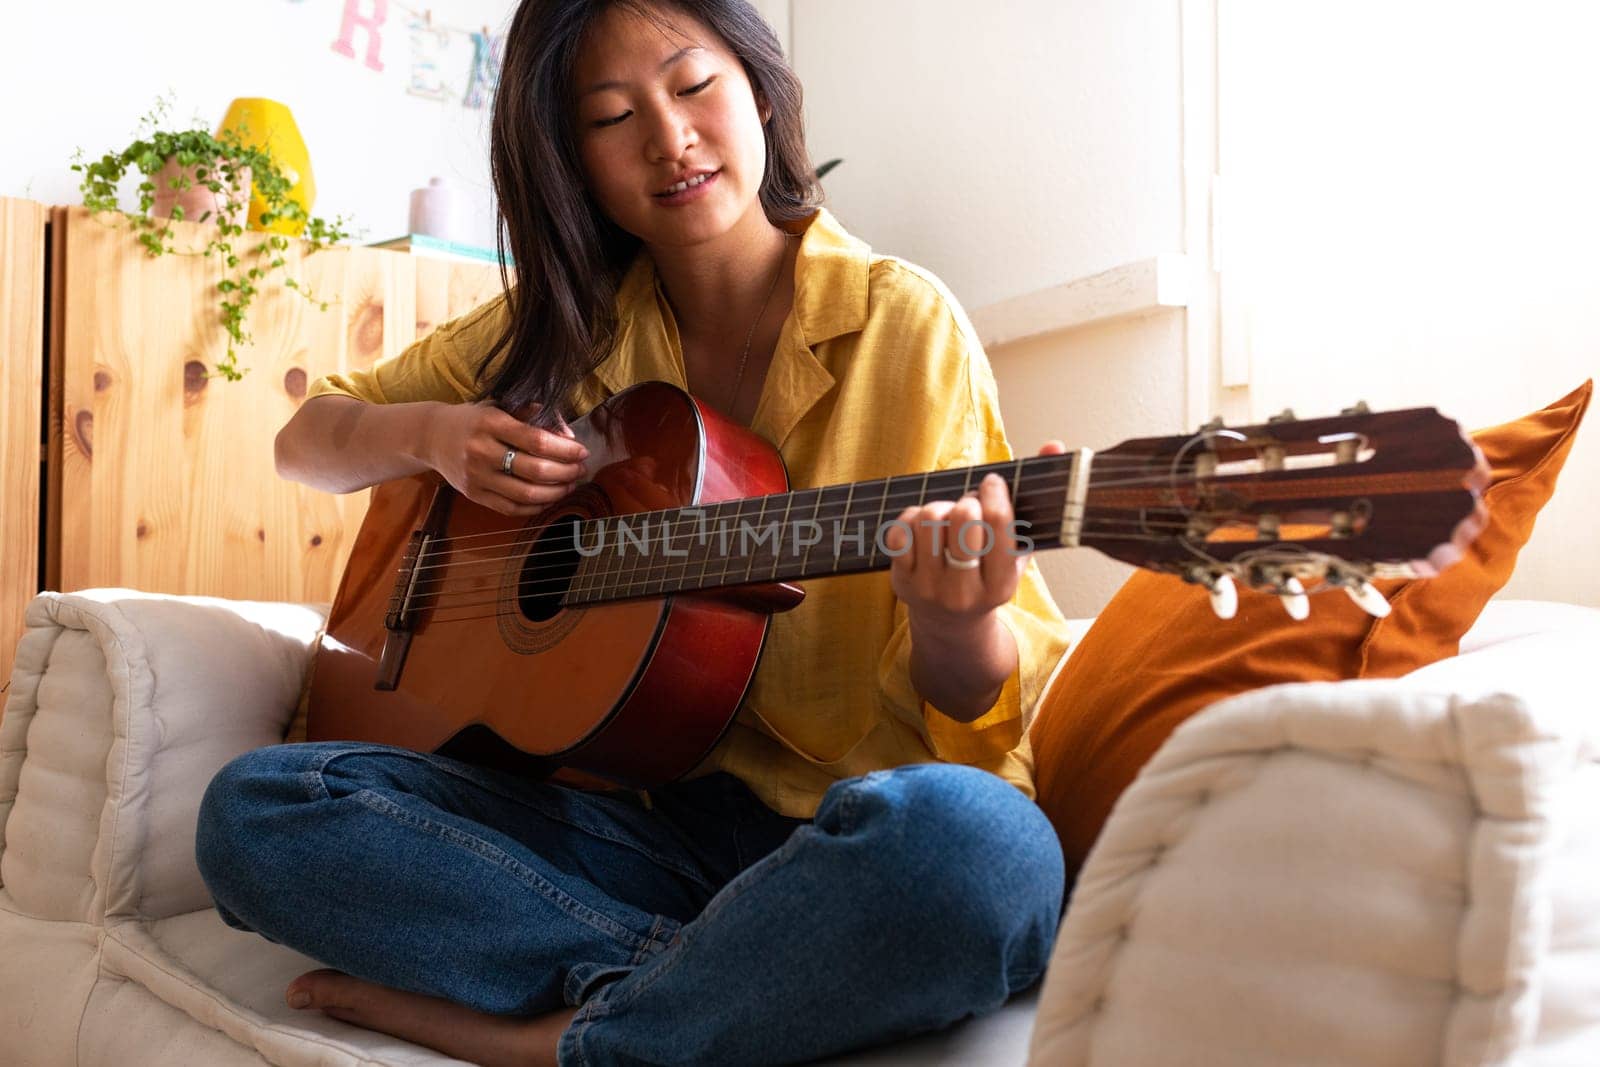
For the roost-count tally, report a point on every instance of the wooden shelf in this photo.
(162, 479)
(22, 280)
(1145, 285)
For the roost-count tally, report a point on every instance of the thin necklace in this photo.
(738, 381)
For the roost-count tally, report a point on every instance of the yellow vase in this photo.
(262, 123)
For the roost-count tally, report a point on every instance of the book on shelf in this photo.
(422, 244)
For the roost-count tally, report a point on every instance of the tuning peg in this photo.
(1292, 595)
(1214, 424)
(1367, 598)
(1224, 596)
(1286, 415)
(1358, 589)
(1359, 409)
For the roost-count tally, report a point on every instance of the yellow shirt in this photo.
(877, 372)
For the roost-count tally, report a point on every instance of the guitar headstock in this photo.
(1290, 502)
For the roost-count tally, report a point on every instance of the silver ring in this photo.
(960, 564)
(505, 464)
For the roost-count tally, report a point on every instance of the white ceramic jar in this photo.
(439, 210)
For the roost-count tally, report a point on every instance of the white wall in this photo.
(81, 73)
(1007, 148)
(1419, 177)
(94, 67)
(1414, 192)
(1004, 146)
(1410, 214)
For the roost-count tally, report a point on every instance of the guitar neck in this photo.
(807, 533)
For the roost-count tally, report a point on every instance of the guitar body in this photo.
(635, 691)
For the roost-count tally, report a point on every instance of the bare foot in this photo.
(443, 1025)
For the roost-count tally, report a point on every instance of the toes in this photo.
(324, 988)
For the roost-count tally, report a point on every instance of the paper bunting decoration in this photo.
(447, 62)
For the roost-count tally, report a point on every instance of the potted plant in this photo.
(208, 178)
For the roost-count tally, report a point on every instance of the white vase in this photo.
(439, 210)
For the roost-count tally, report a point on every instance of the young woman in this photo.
(859, 859)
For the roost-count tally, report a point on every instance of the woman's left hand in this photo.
(930, 577)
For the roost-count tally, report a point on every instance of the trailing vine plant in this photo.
(219, 163)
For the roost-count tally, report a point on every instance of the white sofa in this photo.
(1367, 872)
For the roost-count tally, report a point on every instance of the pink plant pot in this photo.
(197, 199)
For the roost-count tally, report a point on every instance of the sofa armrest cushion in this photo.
(122, 706)
(1375, 871)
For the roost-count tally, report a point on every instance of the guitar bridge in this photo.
(402, 616)
(401, 619)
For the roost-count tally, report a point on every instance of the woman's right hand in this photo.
(467, 444)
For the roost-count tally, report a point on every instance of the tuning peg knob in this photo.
(1293, 597)
(1367, 598)
(1224, 597)
(1359, 409)
(1286, 415)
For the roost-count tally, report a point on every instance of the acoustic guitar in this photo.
(611, 638)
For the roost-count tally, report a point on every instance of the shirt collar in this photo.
(830, 300)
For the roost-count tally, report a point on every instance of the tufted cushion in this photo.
(121, 708)
(1376, 872)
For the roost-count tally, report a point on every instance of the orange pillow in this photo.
(1157, 653)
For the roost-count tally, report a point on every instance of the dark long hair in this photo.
(569, 257)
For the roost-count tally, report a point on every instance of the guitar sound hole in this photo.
(547, 571)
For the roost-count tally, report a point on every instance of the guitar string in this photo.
(469, 556)
(663, 556)
(519, 538)
(999, 467)
(436, 619)
(464, 579)
(439, 597)
(657, 574)
(643, 577)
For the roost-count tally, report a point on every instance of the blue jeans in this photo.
(700, 927)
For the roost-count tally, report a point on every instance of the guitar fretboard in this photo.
(807, 533)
